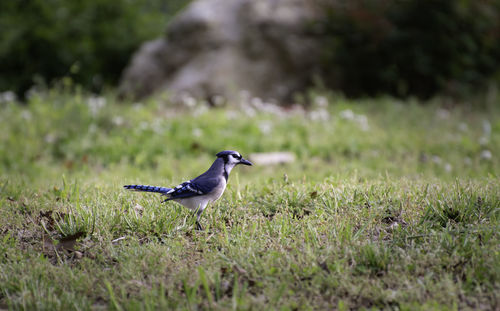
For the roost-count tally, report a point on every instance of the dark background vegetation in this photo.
(403, 48)
(416, 47)
(89, 41)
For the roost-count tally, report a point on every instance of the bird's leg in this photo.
(198, 215)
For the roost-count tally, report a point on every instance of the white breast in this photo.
(194, 203)
(200, 202)
(217, 193)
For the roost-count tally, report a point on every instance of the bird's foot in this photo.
(199, 227)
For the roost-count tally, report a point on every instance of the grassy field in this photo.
(389, 205)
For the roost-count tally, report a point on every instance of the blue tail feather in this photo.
(145, 188)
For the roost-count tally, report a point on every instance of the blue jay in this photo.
(196, 193)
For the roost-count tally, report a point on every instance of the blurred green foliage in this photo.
(414, 47)
(90, 41)
(75, 131)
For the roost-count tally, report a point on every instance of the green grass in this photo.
(388, 206)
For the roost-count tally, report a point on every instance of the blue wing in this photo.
(192, 188)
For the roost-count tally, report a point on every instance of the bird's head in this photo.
(232, 158)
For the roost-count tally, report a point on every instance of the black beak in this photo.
(246, 162)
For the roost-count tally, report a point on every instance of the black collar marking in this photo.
(226, 160)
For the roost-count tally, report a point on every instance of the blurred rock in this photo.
(271, 158)
(146, 73)
(219, 48)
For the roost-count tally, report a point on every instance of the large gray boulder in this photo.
(221, 47)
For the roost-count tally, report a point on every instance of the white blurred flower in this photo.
(232, 115)
(467, 161)
(200, 109)
(249, 111)
(118, 120)
(361, 119)
(26, 115)
(7, 96)
(486, 128)
(33, 91)
(257, 103)
(321, 101)
(244, 97)
(443, 114)
(50, 138)
(363, 122)
(265, 127)
(319, 115)
(188, 100)
(197, 132)
(156, 126)
(436, 159)
(272, 109)
(463, 127)
(218, 100)
(251, 106)
(483, 140)
(95, 104)
(347, 114)
(92, 128)
(486, 155)
(447, 167)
